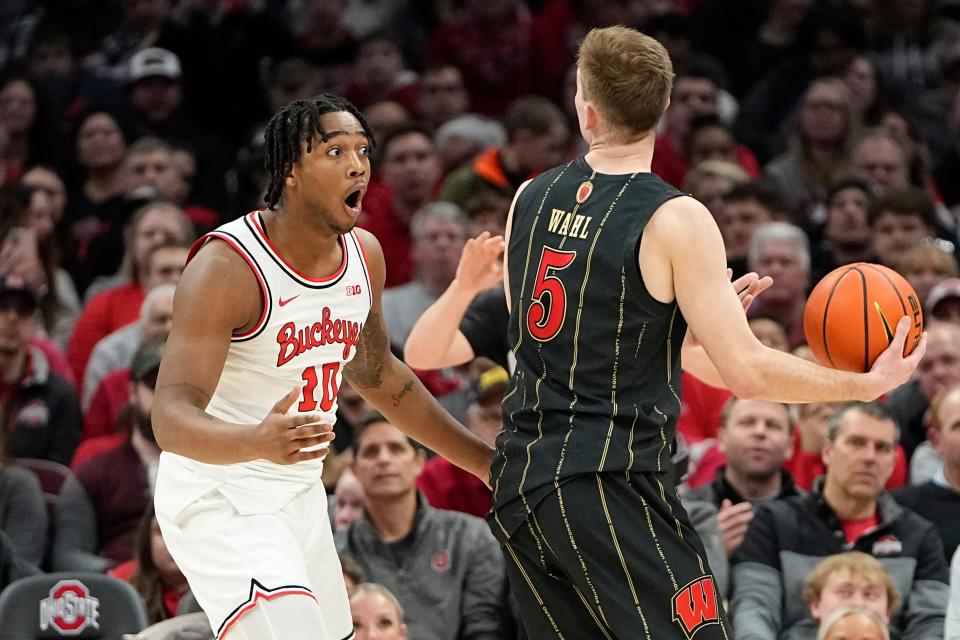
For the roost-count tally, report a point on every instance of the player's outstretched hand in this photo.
(891, 369)
(280, 438)
(747, 288)
(480, 265)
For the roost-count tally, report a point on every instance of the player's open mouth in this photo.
(353, 201)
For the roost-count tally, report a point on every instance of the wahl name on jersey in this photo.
(572, 225)
(294, 341)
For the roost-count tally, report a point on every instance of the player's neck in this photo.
(848, 507)
(298, 239)
(752, 489)
(393, 516)
(611, 154)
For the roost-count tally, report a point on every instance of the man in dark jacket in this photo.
(755, 436)
(39, 410)
(444, 566)
(847, 511)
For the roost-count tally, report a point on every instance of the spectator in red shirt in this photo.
(148, 173)
(381, 73)
(810, 436)
(491, 42)
(153, 572)
(409, 173)
(385, 116)
(101, 504)
(447, 486)
(443, 95)
(119, 306)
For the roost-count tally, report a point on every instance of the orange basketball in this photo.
(852, 314)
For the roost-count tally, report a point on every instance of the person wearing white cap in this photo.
(156, 93)
(943, 303)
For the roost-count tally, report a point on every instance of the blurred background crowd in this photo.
(817, 132)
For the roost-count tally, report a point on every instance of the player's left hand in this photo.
(747, 287)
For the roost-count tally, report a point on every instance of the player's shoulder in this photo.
(541, 180)
(681, 213)
(214, 261)
(215, 256)
(368, 241)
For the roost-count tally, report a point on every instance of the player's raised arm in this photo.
(216, 296)
(683, 237)
(391, 387)
(435, 340)
(694, 358)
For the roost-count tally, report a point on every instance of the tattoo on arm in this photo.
(396, 397)
(366, 368)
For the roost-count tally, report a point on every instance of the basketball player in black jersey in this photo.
(605, 267)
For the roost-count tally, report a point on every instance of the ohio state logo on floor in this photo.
(70, 609)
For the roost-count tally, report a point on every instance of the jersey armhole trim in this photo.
(364, 264)
(237, 246)
(636, 258)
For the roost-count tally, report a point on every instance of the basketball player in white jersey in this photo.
(273, 310)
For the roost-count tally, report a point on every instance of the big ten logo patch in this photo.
(70, 609)
(354, 289)
(695, 606)
(440, 561)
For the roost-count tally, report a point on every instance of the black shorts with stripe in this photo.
(611, 555)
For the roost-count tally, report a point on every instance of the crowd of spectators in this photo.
(817, 132)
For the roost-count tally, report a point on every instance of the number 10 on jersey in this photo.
(548, 306)
(329, 389)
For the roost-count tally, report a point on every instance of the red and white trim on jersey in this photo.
(363, 263)
(256, 224)
(237, 246)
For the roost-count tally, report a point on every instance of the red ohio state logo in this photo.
(695, 606)
(70, 609)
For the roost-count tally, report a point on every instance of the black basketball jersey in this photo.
(597, 382)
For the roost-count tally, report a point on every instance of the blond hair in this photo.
(924, 254)
(824, 631)
(373, 588)
(627, 76)
(728, 171)
(857, 564)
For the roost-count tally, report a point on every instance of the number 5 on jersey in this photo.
(329, 390)
(548, 306)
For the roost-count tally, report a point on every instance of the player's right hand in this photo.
(891, 369)
(279, 438)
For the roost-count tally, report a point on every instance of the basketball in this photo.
(852, 314)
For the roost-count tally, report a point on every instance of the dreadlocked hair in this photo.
(294, 124)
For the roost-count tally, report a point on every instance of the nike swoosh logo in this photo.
(284, 303)
(886, 325)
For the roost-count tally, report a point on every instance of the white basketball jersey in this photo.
(307, 332)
